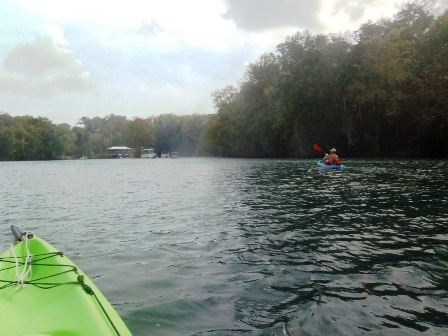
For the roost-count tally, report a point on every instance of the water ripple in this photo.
(247, 247)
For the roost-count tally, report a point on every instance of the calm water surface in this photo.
(247, 247)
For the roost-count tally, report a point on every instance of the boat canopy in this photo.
(118, 147)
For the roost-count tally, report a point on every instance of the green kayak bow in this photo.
(42, 292)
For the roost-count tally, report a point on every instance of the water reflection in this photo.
(248, 247)
(344, 252)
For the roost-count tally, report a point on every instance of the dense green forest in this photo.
(382, 91)
(382, 94)
(29, 138)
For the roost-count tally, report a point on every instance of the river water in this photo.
(197, 246)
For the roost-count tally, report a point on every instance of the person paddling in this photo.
(332, 158)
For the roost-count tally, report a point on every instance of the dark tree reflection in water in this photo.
(248, 247)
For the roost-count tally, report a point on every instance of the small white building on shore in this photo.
(118, 152)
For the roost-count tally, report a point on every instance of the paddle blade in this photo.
(317, 148)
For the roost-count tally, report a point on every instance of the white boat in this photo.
(165, 154)
(148, 153)
(174, 155)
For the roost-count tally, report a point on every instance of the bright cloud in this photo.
(43, 67)
(137, 58)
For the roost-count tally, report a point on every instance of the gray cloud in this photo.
(43, 68)
(150, 27)
(353, 9)
(259, 15)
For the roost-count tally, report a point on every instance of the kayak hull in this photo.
(57, 298)
(321, 164)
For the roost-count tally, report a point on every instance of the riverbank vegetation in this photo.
(29, 138)
(381, 91)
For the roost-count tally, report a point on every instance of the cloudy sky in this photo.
(67, 59)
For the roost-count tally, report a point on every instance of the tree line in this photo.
(30, 138)
(380, 91)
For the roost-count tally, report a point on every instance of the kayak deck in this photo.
(56, 298)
